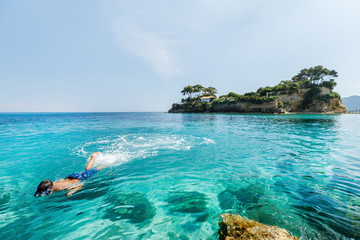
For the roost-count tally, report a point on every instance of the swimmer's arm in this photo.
(75, 189)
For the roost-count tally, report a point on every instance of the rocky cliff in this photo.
(323, 102)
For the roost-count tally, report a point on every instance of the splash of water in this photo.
(120, 149)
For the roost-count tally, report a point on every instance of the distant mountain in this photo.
(352, 103)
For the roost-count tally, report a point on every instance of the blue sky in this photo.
(138, 55)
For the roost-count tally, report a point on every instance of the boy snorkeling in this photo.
(71, 182)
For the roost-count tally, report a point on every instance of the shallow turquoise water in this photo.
(170, 176)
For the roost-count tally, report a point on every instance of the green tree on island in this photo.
(198, 91)
(317, 76)
(188, 90)
(210, 91)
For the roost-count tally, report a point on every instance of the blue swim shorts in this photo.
(82, 175)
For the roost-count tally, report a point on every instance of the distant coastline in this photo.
(352, 103)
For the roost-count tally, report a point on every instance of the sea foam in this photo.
(121, 149)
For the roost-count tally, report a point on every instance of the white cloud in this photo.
(155, 34)
(154, 49)
(230, 39)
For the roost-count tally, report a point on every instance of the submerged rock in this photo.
(187, 202)
(234, 227)
(239, 198)
(232, 199)
(133, 206)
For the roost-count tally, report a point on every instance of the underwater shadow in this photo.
(195, 203)
(134, 207)
(237, 198)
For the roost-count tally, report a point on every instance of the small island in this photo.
(310, 91)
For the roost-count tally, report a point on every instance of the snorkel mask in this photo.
(43, 194)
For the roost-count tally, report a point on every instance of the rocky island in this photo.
(310, 91)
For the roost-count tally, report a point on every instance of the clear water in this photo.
(170, 176)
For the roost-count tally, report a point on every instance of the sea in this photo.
(171, 176)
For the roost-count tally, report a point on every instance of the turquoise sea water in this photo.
(170, 176)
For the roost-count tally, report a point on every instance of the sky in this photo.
(130, 56)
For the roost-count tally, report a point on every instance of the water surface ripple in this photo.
(170, 176)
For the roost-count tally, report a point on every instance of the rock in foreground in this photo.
(234, 227)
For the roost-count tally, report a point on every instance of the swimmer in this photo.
(71, 182)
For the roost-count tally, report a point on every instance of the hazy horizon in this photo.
(136, 57)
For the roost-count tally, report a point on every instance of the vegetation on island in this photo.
(311, 79)
(193, 94)
(196, 92)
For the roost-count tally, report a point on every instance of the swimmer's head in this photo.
(44, 188)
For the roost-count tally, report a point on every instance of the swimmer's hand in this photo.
(73, 191)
